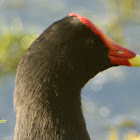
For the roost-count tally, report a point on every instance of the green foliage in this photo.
(127, 123)
(12, 47)
(123, 12)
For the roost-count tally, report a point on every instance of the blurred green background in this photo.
(110, 100)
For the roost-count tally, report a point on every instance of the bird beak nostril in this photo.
(120, 52)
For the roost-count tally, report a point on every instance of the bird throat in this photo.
(53, 112)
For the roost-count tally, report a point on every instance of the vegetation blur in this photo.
(113, 135)
(14, 41)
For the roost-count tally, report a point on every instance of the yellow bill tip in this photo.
(135, 62)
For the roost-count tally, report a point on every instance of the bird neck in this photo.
(64, 117)
(54, 112)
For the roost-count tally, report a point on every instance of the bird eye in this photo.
(90, 43)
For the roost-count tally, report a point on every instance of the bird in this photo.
(52, 73)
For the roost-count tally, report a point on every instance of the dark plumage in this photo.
(50, 77)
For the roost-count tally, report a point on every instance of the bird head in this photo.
(75, 46)
(117, 54)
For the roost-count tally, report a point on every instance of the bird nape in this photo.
(53, 71)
